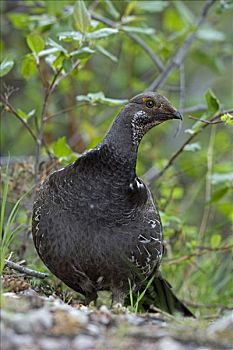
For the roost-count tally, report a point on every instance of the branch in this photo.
(206, 306)
(205, 121)
(135, 38)
(151, 175)
(182, 88)
(181, 53)
(24, 270)
(9, 108)
(193, 109)
(48, 92)
(148, 50)
(203, 251)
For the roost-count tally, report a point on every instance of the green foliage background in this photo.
(94, 52)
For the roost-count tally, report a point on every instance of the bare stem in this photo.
(152, 175)
(48, 92)
(9, 108)
(158, 63)
(207, 250)
(24, 270)
(182, 52)
(206, 212)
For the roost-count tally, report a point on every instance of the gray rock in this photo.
(80, 316)
(168, 343)
(224, 324)
(48, 343)
(93, 329)
(13, 341)
(83, 342)
(135, 320)
(36, 320)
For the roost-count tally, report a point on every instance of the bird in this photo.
(95, 224)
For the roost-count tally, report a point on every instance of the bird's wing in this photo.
(148, 244)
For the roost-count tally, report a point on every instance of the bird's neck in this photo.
(120, 144)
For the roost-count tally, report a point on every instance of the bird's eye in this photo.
(150, 104)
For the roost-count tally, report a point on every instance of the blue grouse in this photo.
(95, 224)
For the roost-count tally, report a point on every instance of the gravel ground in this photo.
(32, 322)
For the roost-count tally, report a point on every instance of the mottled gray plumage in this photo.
(95, 224)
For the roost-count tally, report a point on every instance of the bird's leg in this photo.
(118, 297)
(89, 297)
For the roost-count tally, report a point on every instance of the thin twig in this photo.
(159, 64)
(48, 93)
(182, 88)
(152, 175)
(135, 38)
(198, 253)
(196, 108)
(205, 121)
(206, 306)
(181, 53)
(10, 109)
(24, 270)
(208, 187)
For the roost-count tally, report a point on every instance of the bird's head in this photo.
(147, 110)
(139, 115)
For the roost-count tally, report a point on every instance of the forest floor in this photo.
(32, 321)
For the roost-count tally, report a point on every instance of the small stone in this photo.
(40, 319)
(54, 344)
(93, 329)
(224, 324)
(80, 316)
(135, 320)
(83, 342)
(168, 343)
(10, 340)
(104, 309)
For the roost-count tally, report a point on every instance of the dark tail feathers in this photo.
(160, 295)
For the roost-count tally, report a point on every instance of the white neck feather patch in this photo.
(140, 125)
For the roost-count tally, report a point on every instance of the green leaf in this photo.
(28, 66)
(35, 42)
(101, 33)
(213, 62)
(193, 147)
(58, 62)
(67, 65)
(81, 17)
(5, 67)
(25, 116)
(84, 52)
(215, 241)
(52, 43)
(98, 97)
(184, 12)
(22, 114)
(227, 119)
(152, 6)
(210, 34)
(47, 52)
(60, 148)
(111, 9)
(69, 36)
(19, 20)
(212, 102)
(218, 178)
(106, 53)
(217, 195)
(139, 30)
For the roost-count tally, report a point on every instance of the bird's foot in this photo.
(118, 308)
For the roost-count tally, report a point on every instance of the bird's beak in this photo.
(177, 115)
